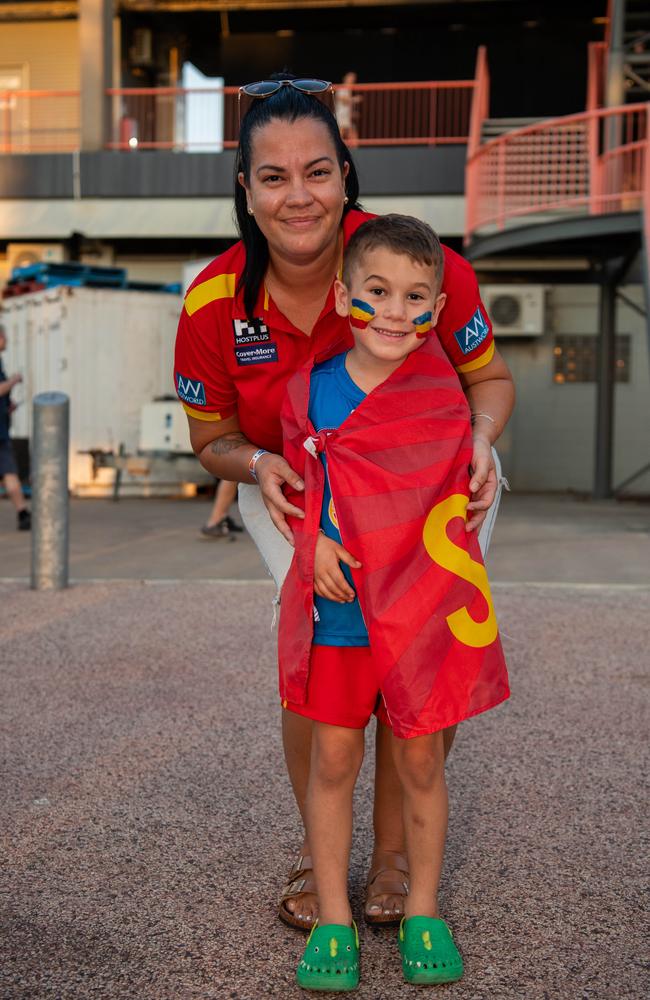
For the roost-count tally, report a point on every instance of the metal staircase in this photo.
(491, 128)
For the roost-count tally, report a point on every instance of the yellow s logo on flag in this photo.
(459, 562)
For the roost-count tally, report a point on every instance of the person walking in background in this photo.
(8, 468)
(347, 109)
(220, 524)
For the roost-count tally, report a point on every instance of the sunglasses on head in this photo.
(264, 88)
(306, 85)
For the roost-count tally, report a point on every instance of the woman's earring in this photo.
(346, 200)
(250, 210)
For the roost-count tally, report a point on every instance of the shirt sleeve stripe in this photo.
(220, 287)
(479, 362)
(199, 415)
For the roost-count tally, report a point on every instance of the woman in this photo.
(250, 320)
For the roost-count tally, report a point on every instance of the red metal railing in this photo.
(39, 121)
(596, 75)
(593, 162)
(384, 114)
(480, 109)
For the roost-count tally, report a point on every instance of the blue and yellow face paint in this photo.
(360, 314)
(423, 325)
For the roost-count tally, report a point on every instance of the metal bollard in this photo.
(50, 508)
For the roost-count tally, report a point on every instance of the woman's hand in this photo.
(271, 472)
(483, 484)
(328, 576)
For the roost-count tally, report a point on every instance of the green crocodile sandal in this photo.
(331, 959)
(428, 952)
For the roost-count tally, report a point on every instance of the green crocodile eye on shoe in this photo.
(428, 952)
(331, 959)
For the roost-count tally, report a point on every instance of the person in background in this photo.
(219, 524)
(346, 106)
(8, 469)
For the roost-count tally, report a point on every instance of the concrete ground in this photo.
(545, 539)
(146, 820)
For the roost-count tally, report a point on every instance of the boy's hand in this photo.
(272, 471)
(483, 484)
(328, 577)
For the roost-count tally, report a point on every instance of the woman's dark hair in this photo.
(289, 105)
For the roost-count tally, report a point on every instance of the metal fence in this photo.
(594, 162)
(39, 121)
(207, 119)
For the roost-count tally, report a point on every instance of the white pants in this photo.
(276, 551)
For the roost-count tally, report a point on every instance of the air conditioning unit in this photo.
(23, 254)
(515, 310)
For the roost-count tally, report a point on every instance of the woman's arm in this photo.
(490, 392)
(225, 452)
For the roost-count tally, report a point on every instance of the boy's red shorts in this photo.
(342, 689)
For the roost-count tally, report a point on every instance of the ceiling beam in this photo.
(45, 10)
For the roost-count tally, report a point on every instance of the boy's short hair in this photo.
(403, 235)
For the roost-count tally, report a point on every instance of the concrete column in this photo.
(96, 49)
(605, 387)
(615, 83)
(50, 508)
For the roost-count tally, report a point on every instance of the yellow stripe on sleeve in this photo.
(479, 362)
(220, 287)
(199, 415)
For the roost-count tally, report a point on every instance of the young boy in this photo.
(381, 435)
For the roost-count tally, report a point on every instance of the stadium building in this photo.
(520, 130)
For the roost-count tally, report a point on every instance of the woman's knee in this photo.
(420, 761)
(337, 754)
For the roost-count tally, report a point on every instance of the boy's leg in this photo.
(389, 825)
(336, 757)
(420, 763)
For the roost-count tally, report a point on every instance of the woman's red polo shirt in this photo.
(228, 364)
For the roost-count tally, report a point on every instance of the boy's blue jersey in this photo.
(332, 398)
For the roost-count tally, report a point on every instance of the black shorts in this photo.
(7, 460)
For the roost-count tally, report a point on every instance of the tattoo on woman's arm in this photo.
(229, 442)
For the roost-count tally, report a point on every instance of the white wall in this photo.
(550, 444)
(111, 351)
(49, 48)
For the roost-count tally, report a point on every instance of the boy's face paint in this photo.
(360, 314)
(391, 304)
(423, 324)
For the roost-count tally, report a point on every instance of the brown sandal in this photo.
(299, 880)
(388, 875)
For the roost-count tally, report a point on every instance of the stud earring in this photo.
(346, 200)
(250, 210)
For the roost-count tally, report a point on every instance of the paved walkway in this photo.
(146, 821)
(547, 539)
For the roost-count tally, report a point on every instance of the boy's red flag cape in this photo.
(399, 475)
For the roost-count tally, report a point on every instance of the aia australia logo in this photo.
(190, 390)
(473, 334)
